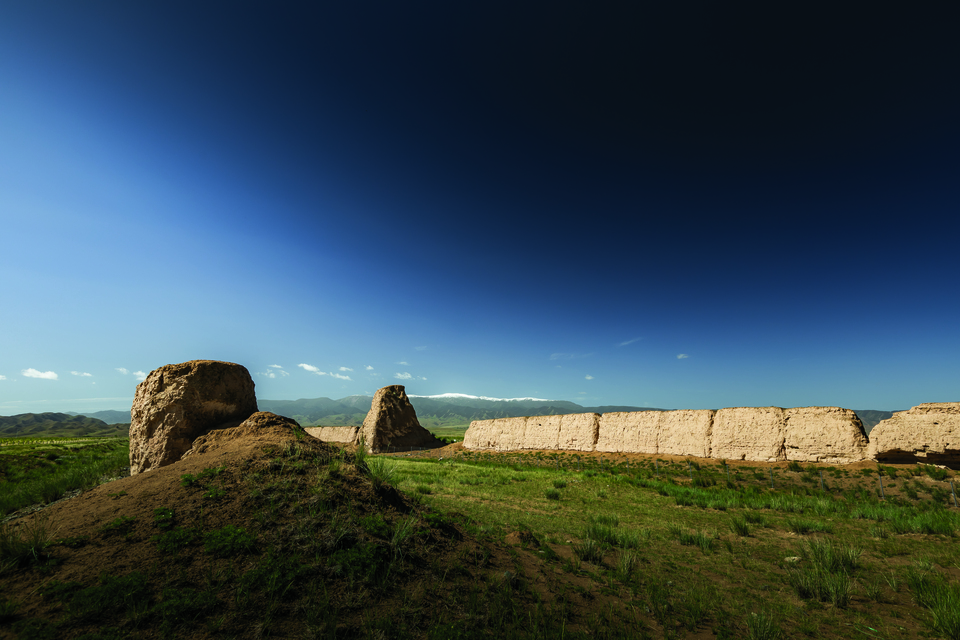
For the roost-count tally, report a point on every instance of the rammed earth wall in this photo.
(807, 434)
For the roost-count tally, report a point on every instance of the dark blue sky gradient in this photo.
(769, 189)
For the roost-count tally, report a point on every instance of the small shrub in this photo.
(122, 525)
(740, 526)
(381, 471)
(793, 465)
(228, 541)
(589, 550)
(424, 489)
(552, 494)
(804, 526)
(360, 454)
(944, 605)
(163, 517)
(763, 626)
(936, 473)
(375, 525)
(610, 521)
(560, 484)
(626, 564)
(190, 480)
(26, 544)
(879, 532)
(403, 532)
(171, 542)
(214, 493)
(8, 610)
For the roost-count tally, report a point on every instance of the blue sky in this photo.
(680, 207)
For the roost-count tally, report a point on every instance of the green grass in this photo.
(728, 530)
(452, 433)
(645, 551)
(36, 471)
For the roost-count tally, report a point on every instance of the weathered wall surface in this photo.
(500, 434)
(686, 433)
(749, 433)
(929, 432)
(343, 435)
(824, 434)
(629, 432)
(770, 434)
(574, 432)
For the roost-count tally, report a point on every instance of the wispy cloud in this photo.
(402, 376)
(588, 377)
(420, 348)
(43, 375)
(682, 356)
(405, 364)
(3, 377)
(369, 368)
(274, 366)
(316, 370)
(569, 356)
(626, 342)
(123, 371)
(82, 375)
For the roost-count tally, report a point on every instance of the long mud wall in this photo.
(806, 434)
(342, 435)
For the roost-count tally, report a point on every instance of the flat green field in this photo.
(452, 432)
(734, 557)
(41, 470)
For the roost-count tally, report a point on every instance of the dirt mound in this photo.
(264, 531)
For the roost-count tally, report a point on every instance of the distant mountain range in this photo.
(59, 425)
(432, 411)
(447, 410)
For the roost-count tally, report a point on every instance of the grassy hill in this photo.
(274, 534)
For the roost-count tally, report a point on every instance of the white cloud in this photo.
(589, 377)
(369, 368)
(402, 376)
(3, 377)
(122, 370)
(82, 375)
(43, 375)
(339, 377)
(682, 356)
(273, 374)
(406, 364)
(345, 369)
(140, 375)
(625, 343)
(311, 369)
